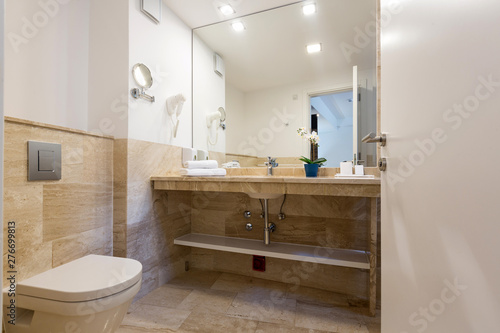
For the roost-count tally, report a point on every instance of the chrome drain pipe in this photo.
(267, 229)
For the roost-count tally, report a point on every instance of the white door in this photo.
(441, 191)
(355, 113)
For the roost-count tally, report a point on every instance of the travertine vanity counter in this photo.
(322, 185)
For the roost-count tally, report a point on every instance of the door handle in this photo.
(372, 138)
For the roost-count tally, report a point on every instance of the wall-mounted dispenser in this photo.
(144, 79)
(174, 109)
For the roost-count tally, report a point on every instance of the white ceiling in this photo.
(198, 13)
(271, 51)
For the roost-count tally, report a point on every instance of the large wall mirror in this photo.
(259, 70)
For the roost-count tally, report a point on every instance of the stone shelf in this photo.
(297, 252)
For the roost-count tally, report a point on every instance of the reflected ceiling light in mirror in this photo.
(314, 48)
(238, 26)
(309, 9)
(227, 10)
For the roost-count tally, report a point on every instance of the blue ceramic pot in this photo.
(311, 170)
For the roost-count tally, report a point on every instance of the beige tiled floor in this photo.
(201, 301)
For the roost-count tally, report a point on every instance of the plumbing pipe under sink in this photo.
(267, 230)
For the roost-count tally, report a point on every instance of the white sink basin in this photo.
(264, 195)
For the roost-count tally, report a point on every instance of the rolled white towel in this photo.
(202, 172)
(207, 164)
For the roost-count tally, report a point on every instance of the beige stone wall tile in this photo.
(332, 278)
(71, 152)
(150, 281)
(120, 157)
(24, 205)
(147, 159)
(233, 263)
(98, 159)
(139, 201)
(95, 241)
(235, 225)
(244, 160)
(347, 234)
(58, 221)
(217, 156)
(210, 222)
(120, 240)
(31, 259)
(69, 209)
(15, 172)
(173, 267)
(202, 259)
(120, 218)
(300, 230)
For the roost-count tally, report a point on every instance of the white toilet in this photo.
(88, 295)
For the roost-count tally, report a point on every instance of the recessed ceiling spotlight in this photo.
(238, 26)
(227, 10)
(313, 48)
(309, 9)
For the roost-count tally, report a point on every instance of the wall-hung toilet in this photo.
(88, 295)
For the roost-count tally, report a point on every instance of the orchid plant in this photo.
(313, 138)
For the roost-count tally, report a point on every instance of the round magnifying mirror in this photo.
(222, 114)
(142, 76)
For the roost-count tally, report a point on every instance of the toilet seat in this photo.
(89, 278)
(90, 294)
(84, 308)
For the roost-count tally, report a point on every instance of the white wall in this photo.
(236, 117)
(108, 68)
(209, 90)
(335, 143)
(46, 61)
(166, 50)
(268, 111)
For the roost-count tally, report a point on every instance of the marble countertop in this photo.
(273, 179)
(322, 185)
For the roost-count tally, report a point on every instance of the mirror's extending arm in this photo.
(137, 93)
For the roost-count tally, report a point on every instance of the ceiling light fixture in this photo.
(238, 26)
(227, 10)
(309, 9)
(313, 48)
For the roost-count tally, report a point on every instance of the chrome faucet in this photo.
(271, 163)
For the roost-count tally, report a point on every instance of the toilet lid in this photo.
(88, 278)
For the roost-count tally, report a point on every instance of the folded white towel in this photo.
(203, 172)
(207, 164)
